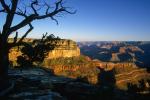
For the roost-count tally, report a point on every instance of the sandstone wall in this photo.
(64, 48)
(14, 53)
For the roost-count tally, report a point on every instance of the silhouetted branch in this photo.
(44, 35)
(35, 2)
(5, 6)
(57, 5)
(9, 17)
(21, 13)
(15, 38)
(29, 30)
(2, 10)
(58, 9)
(14, 9)
(48, 7)
(55, 20)
(20, 42)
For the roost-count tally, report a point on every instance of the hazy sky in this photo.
(99, 20)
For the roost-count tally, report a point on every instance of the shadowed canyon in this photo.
(91, 66)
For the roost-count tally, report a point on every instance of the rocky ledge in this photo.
(32, 84)
(40, 84)
(63, 48)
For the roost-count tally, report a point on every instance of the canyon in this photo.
(65, 59)
(65, 67)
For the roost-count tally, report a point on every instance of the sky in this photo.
(99, 20)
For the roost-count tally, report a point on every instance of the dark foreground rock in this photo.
(38, 84)
(31, 84)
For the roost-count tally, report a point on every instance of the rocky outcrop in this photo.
(63, 48)
(119, 67)
(39, 84)
(14, 53)
(32, 84)
(114, 57)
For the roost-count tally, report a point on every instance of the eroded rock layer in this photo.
(64, 48)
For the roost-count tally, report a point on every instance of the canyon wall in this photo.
(64, 48)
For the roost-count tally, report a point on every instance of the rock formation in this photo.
(85, 68)
(64, 48)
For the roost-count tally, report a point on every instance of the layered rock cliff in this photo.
(63, 48)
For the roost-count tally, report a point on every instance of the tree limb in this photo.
(15, 38)
(2, 10)
(17, 13)
(32, 17)
(5, 6)
(43, 37)
(25, 22)
(55, 20)
(9, 17)
(27, 32)
(58, 9)
(20, 42)
(35, 2)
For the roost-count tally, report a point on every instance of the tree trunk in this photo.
(4, 63)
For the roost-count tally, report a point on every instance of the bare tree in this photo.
(29, 10)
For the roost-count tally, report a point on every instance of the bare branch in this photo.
(29, 30)
(20, 42)
(57, 5)
(2, 10)
(20, 10)
(55, 20)
(74, 12)
(35, 2)
(35, 16)
(9, 17)
(23, 14)
(25, 22)
(43, 37)
(48, 7)
(5, 6)
(15, 38)
(25, 11)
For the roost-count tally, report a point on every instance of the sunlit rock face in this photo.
(14, 53)
(64, 48)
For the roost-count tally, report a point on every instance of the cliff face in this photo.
(64, 48)
(14, 53)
